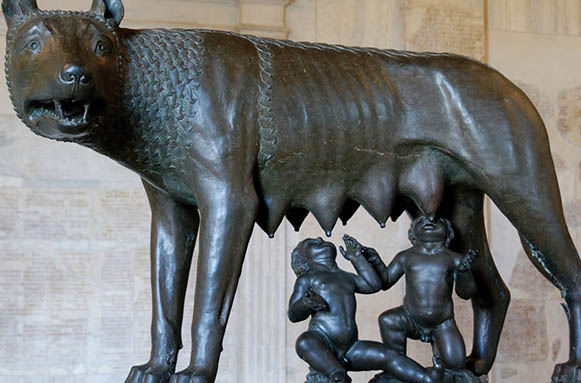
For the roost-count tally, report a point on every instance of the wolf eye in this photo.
(101, 47)
(34, 46)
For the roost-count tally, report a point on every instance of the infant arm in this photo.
(465, 283)
(303, 301)
(395, 270)
(375, 260)
(368, 281)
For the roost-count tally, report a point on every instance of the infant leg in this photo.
(450, 345)
(395, 327)
(367, 356)
(313, 348)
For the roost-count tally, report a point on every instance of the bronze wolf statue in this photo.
(227, 130)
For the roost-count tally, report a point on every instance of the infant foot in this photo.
(339, 377)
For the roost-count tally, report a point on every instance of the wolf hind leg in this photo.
(465, 209)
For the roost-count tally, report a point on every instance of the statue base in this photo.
(449, 377)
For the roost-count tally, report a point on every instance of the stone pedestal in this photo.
(449, 377)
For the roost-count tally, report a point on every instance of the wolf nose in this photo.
(74, 74)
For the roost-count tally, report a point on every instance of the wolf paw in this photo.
(149, 373)
(189, 376)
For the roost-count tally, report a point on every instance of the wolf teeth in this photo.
(69, 113)
(59, 109)
(86, 113)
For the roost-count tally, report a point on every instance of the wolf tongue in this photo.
(59, 109)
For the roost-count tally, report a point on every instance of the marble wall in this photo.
(74, 267)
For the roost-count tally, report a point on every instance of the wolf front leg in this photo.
(228, 218)
(174, 228)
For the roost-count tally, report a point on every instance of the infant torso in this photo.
(429, 284)
(337, 288)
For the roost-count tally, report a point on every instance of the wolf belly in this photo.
(349, 116)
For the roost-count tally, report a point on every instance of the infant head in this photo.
(312, 251)
(431, 229)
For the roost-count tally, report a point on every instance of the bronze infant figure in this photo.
(228, 130)
(431, 273)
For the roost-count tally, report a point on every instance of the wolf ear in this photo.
(18, 9)
(109, 9)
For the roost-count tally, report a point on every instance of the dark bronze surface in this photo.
(227, 130)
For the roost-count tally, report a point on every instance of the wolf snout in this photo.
(75, 75)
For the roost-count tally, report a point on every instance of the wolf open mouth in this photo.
(70, 112)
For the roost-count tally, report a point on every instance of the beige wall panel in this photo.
(446, 26)
(569, 119)
(561, 17)
(377, 23)
(265, 18)
(264, 13)
(301, 20)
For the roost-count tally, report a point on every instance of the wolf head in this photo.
(63, 68)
